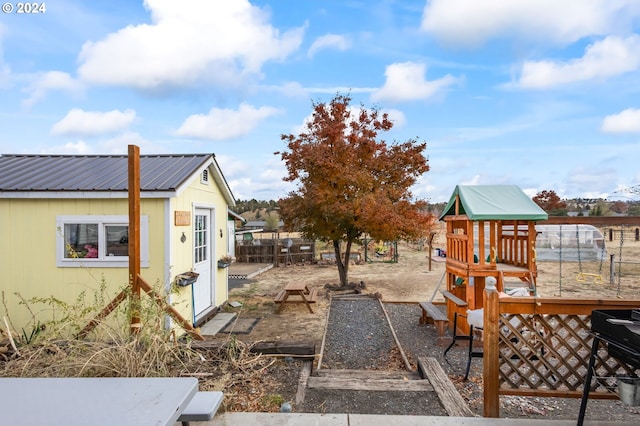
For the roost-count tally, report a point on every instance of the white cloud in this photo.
(119, 144)
(220, 124)
(340, 89)
(397, 117)
(472, 22)
(45, 82)
(606, 58)
(69, 148)
(262, 183)
(187, 44)
(598, 178)
(406, 82)
(627, 121)
(329, 41)
(87, 123)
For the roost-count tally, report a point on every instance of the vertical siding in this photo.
(198, 194)
(28, 251)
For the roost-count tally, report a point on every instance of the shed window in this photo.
(98, 241)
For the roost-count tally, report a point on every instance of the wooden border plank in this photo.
(453, 403)
(371, 384)
(303, 380)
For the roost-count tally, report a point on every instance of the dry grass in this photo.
(111, 350)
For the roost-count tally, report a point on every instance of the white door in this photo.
(231, 238)
(202, 251)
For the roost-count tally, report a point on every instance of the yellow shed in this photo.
(64, 227)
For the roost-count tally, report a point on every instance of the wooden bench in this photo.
(432, 314)
(455, 299)
(201, 408)
(312, 297)
(300, 291)
(280, 296)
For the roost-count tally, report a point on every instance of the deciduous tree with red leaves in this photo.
(349, 183)
(551, 203)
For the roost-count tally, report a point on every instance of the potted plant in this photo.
(186, 278)
(225, 261)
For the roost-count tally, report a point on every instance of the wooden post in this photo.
(275, 252)
(490, 359)
(103, 314)
(612, 274)
(531, 247)
(493, 251)
(186, 325)
(481, 243)
(431, 236)
(134, 234)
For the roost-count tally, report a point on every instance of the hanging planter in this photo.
(187, 278)
(224, 261)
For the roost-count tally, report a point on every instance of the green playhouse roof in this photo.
(494, 202)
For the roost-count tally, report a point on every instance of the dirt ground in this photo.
(412, 279)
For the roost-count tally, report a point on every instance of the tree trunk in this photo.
(343, 265)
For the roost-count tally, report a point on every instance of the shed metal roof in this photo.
(493, 202)
(101, 173)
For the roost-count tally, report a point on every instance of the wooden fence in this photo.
(539, 346)
(276, 251)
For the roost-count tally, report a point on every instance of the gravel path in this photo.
(359, 337)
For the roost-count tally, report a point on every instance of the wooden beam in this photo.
(591, 220)
(491, 353)
(555, 305)
(103, 314)
(186, 325)
(134, 233)
(307, 366)
(369, 384)
(453, 403)
(301, 349)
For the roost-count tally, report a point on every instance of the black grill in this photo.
(617, 327)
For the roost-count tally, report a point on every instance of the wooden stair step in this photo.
(369, 380)
(368, 374)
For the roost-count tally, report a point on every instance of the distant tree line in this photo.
(253, 205)
(551, 203)
(548, 200)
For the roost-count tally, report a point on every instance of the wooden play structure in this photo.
(532, 346)
(490, 233)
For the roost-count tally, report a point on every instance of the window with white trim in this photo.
(98, 241)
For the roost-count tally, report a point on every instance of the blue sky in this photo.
(542, 94)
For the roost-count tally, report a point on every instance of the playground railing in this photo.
(541, 347)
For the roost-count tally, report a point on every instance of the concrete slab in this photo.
(217, 323)
(305, 419)
(241, 270)
(281, 419)
(376, 420)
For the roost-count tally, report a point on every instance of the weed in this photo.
(274, 400)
